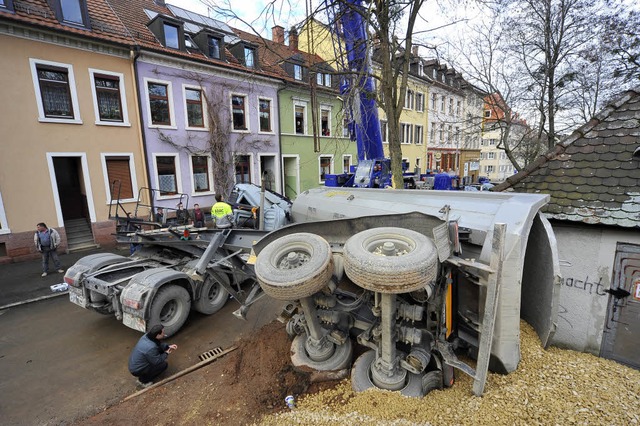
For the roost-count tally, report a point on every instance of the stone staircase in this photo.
(79, 235)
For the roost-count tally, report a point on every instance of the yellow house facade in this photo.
(70, 130)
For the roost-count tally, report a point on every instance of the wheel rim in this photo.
(213, 292)
(168, 312)
(387, 246)
(293, 259)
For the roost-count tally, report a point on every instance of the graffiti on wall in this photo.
(592, 287)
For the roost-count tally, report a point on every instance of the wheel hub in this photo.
(319, 350)
(387, 376)
(389, 248)
(293, 260)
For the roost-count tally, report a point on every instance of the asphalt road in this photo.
(60, 363)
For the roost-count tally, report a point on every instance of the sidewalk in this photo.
(21, 282)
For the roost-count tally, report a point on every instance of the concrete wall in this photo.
(586, 255)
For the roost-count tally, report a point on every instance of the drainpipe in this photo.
(282, 183)
(134, 54)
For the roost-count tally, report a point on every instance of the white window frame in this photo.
(350, 157)
(252, 177)
(491, 155)
(406, 129)
(211, 190)
(331, 166)
(132, 172)
(123, 98)
(418, 140)
(328, 109)
(247, 121)
(271, 122)
(33, 63)
(409, 99)
(434, 101)
(178, 174)
(297, 68)
(297, 103)
(420, 104)
(172, 110)
(4, 225)
(205, 112)
(385, 134)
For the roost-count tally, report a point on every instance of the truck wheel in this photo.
(340, 359)
(213, 296)
(361, 377)
(431, 381)
(390, 260)
(294, 266)
(170, 308)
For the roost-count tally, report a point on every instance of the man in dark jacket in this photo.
(148, 358)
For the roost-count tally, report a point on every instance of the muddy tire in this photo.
(214, 295)
(340, 359)
(432, 381)
(294, 266)
(170, 308)
(390, 260)
(361, 377)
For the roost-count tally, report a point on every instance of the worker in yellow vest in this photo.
(222, 214)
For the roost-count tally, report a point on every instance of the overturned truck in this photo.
(413, 277)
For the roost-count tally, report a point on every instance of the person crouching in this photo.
(148, 358)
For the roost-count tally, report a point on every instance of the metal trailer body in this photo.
(170, 274)
(529, 275)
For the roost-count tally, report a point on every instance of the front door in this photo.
(621, 339)
(70, 183)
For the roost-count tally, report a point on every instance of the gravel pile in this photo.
(550, 387)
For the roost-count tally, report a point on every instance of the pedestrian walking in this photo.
(47, 241)
(148, 358)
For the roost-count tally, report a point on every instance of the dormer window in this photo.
(171, 38)
(214, 47)
(169, 32)
(69, 12)
(297, 71)
(420, 69)
(323, 79)
(249, 57)
(6, 5)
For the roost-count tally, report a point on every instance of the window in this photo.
(488, 169)
(432, 138)
(503, 155)
(326, 167)
(265, 115)
(327, 80)
(159, 103)
(67, 12)
(459, 108)
(450, 134)
(118, 170)
(322, 79)
(200, 171)
(408, 99)
(243, 168)
(406, 133)
(297, 72)
(55, 89)
(492, 141)
(8, 5)
(383, 130)
(72, 11)
(238, 112)
(346, 163)
(419, 135)
(167, 174)
(171, 38)
(325, 122)
(300, 119)
(441, 138)
(214, 47)
(491, 155)
(108, 97)
(442, 102)
(419, 102)
(487, 113)
(249, 57)
(420, 69)
(319, 79)
(450, 106)
(345, 129)
(434, 101)
(195, 110)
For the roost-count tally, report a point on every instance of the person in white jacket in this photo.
(47, 241)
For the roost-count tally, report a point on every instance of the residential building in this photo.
(68, 111)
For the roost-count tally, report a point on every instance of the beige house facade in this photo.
(70, 131)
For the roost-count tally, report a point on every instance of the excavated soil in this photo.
(249, 385)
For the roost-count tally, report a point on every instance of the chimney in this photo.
(293, 38)
(159, 2)
(414, 50)
(277, 34)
